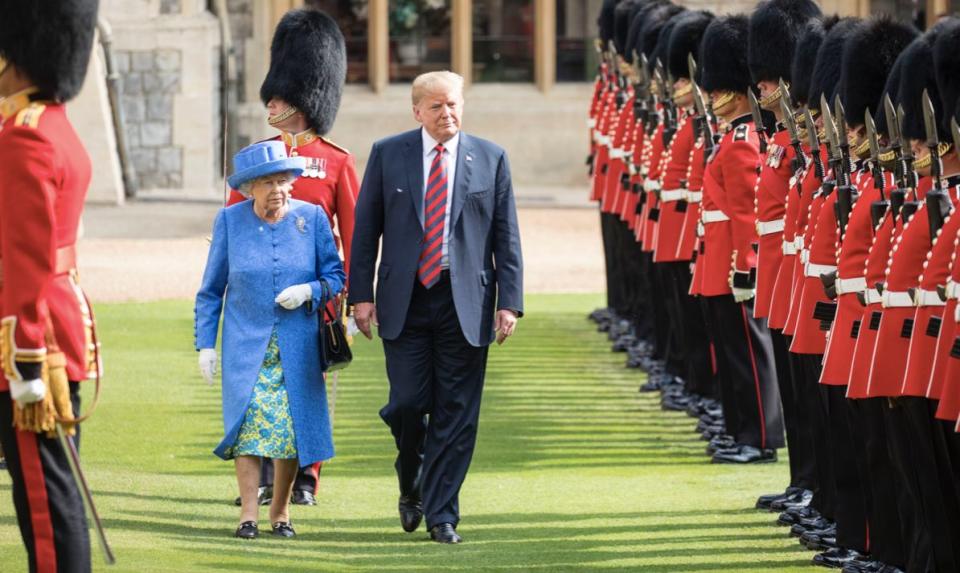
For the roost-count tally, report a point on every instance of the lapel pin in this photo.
(301, 224)
(399, 190)
(469, 158)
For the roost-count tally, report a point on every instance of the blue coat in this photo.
(257, 260)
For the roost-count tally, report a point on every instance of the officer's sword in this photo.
(73, 458)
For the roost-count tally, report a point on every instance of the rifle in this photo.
(666, 100)
(938, 202)
(704, 117)
(813, 142)
(878, 208)
(757, 120)
(846, 193)
(786, 109)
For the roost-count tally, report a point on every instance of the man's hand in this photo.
(365, 314)
(27, 391)
(208, 364)
(506, 323)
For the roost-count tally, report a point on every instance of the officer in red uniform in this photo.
(46, 333)
(744, 350)
(302, 93)
(775, 27)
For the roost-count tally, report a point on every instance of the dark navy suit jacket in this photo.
(486, 266)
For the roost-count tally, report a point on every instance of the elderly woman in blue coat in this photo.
(272, 263)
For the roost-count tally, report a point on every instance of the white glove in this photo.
(208, 364)
(352, 328)
(27, 391)
(743, 294)
(956, 314)
(294, 296)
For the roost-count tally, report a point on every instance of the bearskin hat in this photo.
(916, 75)
(946, 58)
(775, 27)
(308, 66)
(685, 40)
(638, 19)
(723, 55)
(622, 24)
(805, 56)
(867, 58)
(654, 24)
(892, 88)
(605, 21)
(50, 42)
(662, 51)
(826, 72)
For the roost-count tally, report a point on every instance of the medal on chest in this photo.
(775, 155)
(316, 168)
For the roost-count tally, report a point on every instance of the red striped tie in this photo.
(434, 213)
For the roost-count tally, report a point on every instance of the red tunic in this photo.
(688, 234)
(772, 190)
(605, 115)
(809, 186)
(648, 224)
(783, 284)
(612, 189)
(948, 366)
(728, 186)
(330, 181)
(44, 179)
(675, 181)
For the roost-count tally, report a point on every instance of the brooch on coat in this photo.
(316, 167)
(301, 225)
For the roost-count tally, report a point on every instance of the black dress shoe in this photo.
(764, 501)
(814, 525)
(411, 513)
(745, 455)
(650, 386)
(444, 533)
(283, 529)
(866, 565)
(3, 463)
(835, 558)
(801, 498)
(247, 530)
(720, 442)
(303, 497)
(795, 514)
(819, 543)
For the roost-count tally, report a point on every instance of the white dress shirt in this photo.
(450, 160)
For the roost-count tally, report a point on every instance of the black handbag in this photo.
(335, 351)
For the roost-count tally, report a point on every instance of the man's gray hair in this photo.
(432, 81)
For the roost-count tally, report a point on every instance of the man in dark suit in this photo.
(450, 281)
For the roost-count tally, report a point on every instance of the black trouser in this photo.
(661, 320)
(642, 293)
(49, 506)
(608, 232)
(724, 383)
(308, 477)
(669, 318)
(851, 512)
(803, 467)
(691, 332)
(746, 353)
(812, 415)
(434, 372)
(888, 501)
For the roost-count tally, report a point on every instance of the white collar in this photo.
(429, 143)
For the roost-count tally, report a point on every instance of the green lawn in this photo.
(574, 470)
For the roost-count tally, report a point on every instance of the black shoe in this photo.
(819, 543)
(411, 513)
(795, 514)
(866, 565)
(835, 558)
(815, 525)
(247, 530)
(283, 529)
(745, 455)
(303, 497)
(720, 442)
(801, 498)
(650, 386)
(764, 501)
(444, 533)
(674, 403)
(264, 496)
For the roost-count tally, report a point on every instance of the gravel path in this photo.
(156, 250)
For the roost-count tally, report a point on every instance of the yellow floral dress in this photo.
(267, 429)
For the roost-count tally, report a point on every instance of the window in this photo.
(503, 40)
(419, 37)
(351, 16)
(576, 32)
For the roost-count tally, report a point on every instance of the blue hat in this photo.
(264, 158)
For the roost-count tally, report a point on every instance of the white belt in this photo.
(603, 139)
(714, 216)
(770, 227)
(899, 299)
(871, 296)
(789, 248)
(798, 243)
(953, 289)
(923, 297)
(617, 153)
(804, 256)
(673, 195)
(591, 122)
(693, 196)
(845, 286)
(815, 270)
(651, 185)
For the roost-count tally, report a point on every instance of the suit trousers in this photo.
(308, 477)
(436, 382)
(744, 350)
(49, 506)
(803, 467)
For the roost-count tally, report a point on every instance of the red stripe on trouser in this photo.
(756, 379)
(713, 359)
(39, 504)
(316, 468)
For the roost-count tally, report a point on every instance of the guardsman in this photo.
(46, 329)
(302, 93)
(744, 350)
(775, 27)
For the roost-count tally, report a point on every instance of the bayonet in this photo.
(813, 142)
(757, 120)
(846, 193)
(789, 120)
(707, 132)
(872, 139)
(692, 67)
(909, 176)
(933, 140)
(841, 123)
